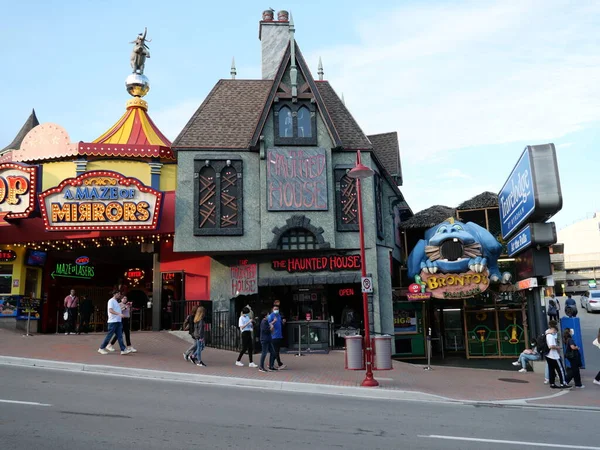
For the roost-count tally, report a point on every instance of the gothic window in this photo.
(297, 239)
(304, 125)
(218, 197)
(295, 123)
(346, 201)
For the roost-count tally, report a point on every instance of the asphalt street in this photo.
(590, 322)
(48, 409)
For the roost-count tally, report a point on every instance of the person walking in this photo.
(277, 322)
(189, 327)
(114, 324)
(246, 326)
(555, 365)
(71, 302)
(199, 334)
(572, 355)
(552, 310)
(126, 310)
(596, 343)
(266, 343)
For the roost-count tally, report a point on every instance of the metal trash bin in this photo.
(382, 345)
(355, 359)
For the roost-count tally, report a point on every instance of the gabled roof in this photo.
(228, 116)
(31, 122)
(351, 135)
(134, 135)
(386, 148)
(481, 201)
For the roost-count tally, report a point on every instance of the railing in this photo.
(223, 333)
(181, 309)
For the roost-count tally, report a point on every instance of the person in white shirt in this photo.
(126, 310)
(114, 324)
(245, 324)
(553, 360)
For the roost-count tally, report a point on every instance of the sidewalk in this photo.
(162, 351)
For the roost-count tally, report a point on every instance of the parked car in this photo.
(592, 302)
(583, 299)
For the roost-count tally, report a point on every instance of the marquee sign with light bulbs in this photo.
(18, 189)
(101, 200)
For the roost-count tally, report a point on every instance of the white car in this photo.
(591, 303)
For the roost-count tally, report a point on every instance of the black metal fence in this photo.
(181, 309)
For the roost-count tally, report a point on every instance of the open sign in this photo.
(82, 260)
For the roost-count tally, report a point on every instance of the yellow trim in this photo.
(111, 129)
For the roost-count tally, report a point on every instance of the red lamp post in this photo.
(360, 172)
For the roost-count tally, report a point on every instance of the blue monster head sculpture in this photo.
(456, 247)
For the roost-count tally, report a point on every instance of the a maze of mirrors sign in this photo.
(297, 179)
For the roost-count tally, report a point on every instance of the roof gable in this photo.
(386, 148)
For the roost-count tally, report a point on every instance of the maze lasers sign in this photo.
(101, 200)
(297, 180)
(18, 188)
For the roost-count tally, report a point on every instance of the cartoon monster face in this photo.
(451, 242)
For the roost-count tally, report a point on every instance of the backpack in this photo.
(541, 345)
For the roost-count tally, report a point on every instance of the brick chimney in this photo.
(274, 36)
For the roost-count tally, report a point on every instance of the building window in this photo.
(346, 201)
(218, 197)
(6, 279)
(378, 185)
(297, 239)
(295, 123)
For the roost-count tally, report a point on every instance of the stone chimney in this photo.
(274, 36)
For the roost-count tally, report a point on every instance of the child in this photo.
(266, 343)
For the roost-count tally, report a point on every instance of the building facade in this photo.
(263, 190)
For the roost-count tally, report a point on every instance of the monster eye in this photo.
(441, 230)
(457, 227)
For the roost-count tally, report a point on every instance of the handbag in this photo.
(66, 315)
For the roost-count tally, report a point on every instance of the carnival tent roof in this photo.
(429, 217)
(134, 134)
(481, 201)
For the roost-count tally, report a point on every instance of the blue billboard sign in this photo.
(517, 198)
(520, 242)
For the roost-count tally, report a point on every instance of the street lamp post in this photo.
(360, 172)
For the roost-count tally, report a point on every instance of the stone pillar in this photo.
(156, 290)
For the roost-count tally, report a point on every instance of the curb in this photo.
(283, 386)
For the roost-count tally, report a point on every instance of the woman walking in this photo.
(189, 327)
(266, 343)
(597, 344)
(552, 310)
(199, 334)
(574, 357)
(246, 326)
(126, 310)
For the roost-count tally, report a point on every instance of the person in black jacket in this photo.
(574, 357)
(266, 342)
(199, 334)
(85, 312)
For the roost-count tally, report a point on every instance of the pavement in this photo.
(56, 410)
(160, 356)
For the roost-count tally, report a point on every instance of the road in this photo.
(84, 411)
(590, 322)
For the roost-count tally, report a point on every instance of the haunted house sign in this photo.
(296, 179)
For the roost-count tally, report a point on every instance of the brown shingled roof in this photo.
(228, 116)
(350, 133)
(386, 148)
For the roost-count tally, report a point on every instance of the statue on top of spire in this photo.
(140, 52)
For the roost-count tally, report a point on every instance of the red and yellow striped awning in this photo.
(134, 135)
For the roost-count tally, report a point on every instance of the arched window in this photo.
(229, 197)
(304, 123)
(206, 202)
(286, 123)
(297, 239)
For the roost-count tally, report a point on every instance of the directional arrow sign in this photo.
(54, 275)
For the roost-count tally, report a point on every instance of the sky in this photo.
(466, 84)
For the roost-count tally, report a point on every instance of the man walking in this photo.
(553, 360)
(71, 302)
(277, 322)
(115, 325)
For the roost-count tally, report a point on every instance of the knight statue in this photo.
(140, 52)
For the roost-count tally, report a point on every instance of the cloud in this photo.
(482, 73)
(456, 173)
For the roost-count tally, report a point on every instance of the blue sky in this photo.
(467, 85)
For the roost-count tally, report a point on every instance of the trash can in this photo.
(382, 346)
(354, 353)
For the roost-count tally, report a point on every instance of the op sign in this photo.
(101, 200)
(18, 188)
(532, 192)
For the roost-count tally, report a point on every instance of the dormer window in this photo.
(295, 123)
